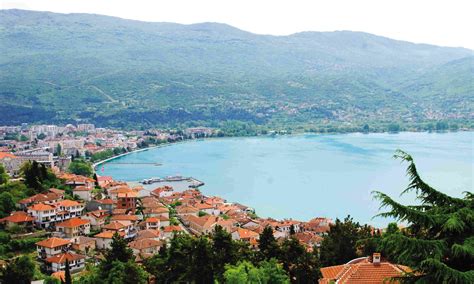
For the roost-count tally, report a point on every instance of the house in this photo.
(51, 247)
(77, 180)
(286, 225)
(157, 212)
(104, 180)
(18, 218)
(73, 208)
(83, 244)
(104, 239)
(169, 231)
(187, 210)
(44, 214)
(149, 234)
(160, 192)
(363, 270)
(124, 226)
(245, 235)
(10, 162)
(127, 200)
(207, 208)
(152, 223)
(73, 227)
(309, 239)
(85, 193)
(145, 246)
(201, 225)
(96, 218)
(46, 198)
(101, 204)
(57, 263)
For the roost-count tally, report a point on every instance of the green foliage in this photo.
(80, 167)
(201, 213)
(38, 177)
(438, 243)
(51, 280)
(7, 204)
(340, 244)
(209, 73)
(67, 273)
(126, 273)
(268, 272)
(302, 266)
(3, 175)
(19, 270)
(268, 246)
(109, 153)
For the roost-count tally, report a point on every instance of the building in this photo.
(127, 200)
(44, 214)
(104, 239)
(83, 244)
(51, 247)
(245, 235)
(73, 208)
(141, 246)
(18, 218)
(363, 270)
(10, 162)
(57, 263)
(73, 227)
(84, 193)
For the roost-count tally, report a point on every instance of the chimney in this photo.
(376, 258)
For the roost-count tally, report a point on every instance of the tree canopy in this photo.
(438, 243)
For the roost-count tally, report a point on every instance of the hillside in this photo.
(116, 72)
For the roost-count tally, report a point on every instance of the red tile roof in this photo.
(72, 223)
(41, 207)
(61, 258)
(18, 217)
(52, 242)
(4, 155)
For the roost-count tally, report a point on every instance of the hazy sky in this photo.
(448, 23)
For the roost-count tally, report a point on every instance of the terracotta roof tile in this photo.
(53, 242)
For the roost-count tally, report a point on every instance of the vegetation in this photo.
(38, 177)
(439, 241)
(245, 272)
(80, 167)
(19, 270)
(216, 75)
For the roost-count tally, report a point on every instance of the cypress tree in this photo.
(67, 273)
(438, 243)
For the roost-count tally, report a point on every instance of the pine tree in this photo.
(439, 240)
(224, 251)
(67, 273)
(268, 246)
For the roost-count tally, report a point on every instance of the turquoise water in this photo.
(304, 176)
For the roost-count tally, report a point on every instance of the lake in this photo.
(309, 175)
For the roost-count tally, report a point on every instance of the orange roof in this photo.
(152, 220)
(362, 272)
(131, 194)
(61, 258)
(41, 207)
(106, 201)
(18, 217)
(4, 155)
(52, 242)
(40, 197)
(246, 234)
(125, 217)
(72, 223)
(82, 188)
(114, 226)
(68, 203)
(108, 234)
(148, 234)
(61, 275)
(169, 229)
(144, 243)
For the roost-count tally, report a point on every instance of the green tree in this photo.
(268, 246)
(59, 150)
(51, 280)
(119, 250)
(126, 273)
(340, 244)
(3, 175)
(246, 272)
(67, 273)
(439, 241)
(80, 167)
(302, 266)
(224, 250)
(7, 204)
(19, 271)
(201, 270)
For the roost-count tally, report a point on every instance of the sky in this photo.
(445, 23)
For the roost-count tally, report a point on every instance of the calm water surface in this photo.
(304, 176)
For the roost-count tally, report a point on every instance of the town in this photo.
(78, 219)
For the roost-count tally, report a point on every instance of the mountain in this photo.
(116, 72)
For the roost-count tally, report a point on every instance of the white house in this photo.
(51, 247)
